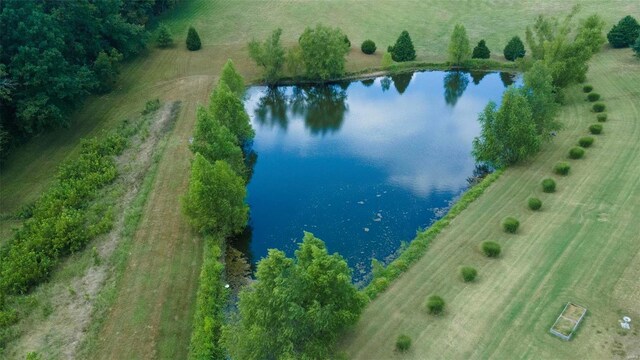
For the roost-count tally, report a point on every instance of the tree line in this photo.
(54, 53)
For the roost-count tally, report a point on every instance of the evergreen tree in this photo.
(164, 39)
(232, 78)
(403, 49)
(514, 49)
(481, 51)
(459, 47)
(227, 109)
(624, 33)
(215, 199)
(193, 40)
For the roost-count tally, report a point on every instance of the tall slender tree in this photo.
(459, 47)
(193, 40)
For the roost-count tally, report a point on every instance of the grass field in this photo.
(582, 246)
(151, 315)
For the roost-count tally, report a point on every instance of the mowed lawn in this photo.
(151, 318)
(583, 246)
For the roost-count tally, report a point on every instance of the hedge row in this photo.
(210, 301)
(60, 222)
(419, 245)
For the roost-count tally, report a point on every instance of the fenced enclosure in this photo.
(568, 321)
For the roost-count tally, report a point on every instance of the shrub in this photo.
(585, 141)
(468, 273)
(164, 39)
(151, 106)
(435, 304)
(548, 185)
(514, 49)
(403, 343)
(534, 203)
(403, 49)
(602, 117)
(491, 249)
(193, 40)
(481, 51)
(368, 47)
(576, 152)
(598, 107)
(595, 129)
(587, 88)
(562, 168)
(510, 225)
(593, 97)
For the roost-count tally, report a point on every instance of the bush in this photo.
(403, 49)
(510, 225)
(491, 249)
(593, 97)
(602, 117)
(624, 33)
(435, 305)
(534, 203)
(468, 273)
(585, 141)
(481, 51)
(548, 185)
(587, 88)
(514, 49)
(576, 152)
(193, 40)
(595, 129)
(598, 107)
(368, 47)
(403, 343)
(151, 106)
(562, 168)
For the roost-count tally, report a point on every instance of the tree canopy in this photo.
(459, 47)
(227, 109)
(540, 93)
(514, 49)
(403, 49)
(269, 55)
(481, 51)
(323, 51)
(232, 78)
(164, 38)
(624, 33)
(297, 308)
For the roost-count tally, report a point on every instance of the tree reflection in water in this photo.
(507, 78)
(272, 108)
(477, 76)
(401, 81)
(455, 83)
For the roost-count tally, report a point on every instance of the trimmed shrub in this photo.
(595, 129)
(368, 47)
(585, 141)
(403, 343)
(593, 97)
(514, 49)
(587, 88)
(562, 167)
(534, 203)
(468, 273)
(602, 117)
(598, 107)
(491, 249)
(576, 152)
(193, 40)
(510, 225)
(481, 51)
(403, 49)
(435, 305)
(548, 185)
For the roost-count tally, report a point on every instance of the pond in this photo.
(364, 164)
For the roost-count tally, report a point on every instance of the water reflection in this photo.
(508, 79)
(401, 81)
(272, 108)
(455, 83)
(477, 76)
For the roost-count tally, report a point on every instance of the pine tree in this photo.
(165, 39)
(514, 49)
(624, 33)
(403, 49)
(459, 47)
(193, 40)
(481, 51)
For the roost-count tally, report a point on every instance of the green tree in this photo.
(215, 199)
(636, 47)
(459, 47)
(215, 141)
(227, 109)
(514, 49)
(403, 49)
(106, 68)
(297, 308)
(164, 38)
(232, 78)
(543, 30)
(323, 51)
(540, 93)
(269, 55)
(624, 33)
(590, 33)
(294, 60)
(193, 40)
(481, 51)
(509, 134)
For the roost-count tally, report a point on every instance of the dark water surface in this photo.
(362, 165)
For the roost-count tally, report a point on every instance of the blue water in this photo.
(362, 165)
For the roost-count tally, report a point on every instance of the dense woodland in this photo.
(54, 53)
